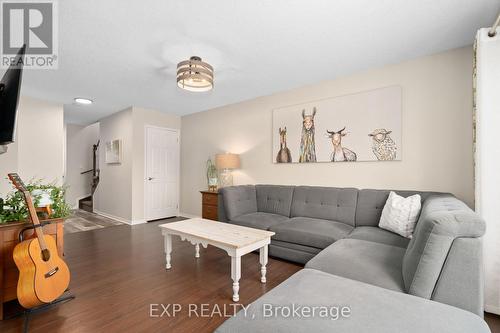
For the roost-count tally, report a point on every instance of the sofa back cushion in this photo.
(239, 200)
(372, 202)
(327, 203)
(443, 219)
(274, 199)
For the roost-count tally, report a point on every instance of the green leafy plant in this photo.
(13, 207)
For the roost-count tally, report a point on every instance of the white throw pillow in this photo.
(400, 214)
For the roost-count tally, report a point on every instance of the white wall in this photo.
(39, 149)
(79, 142)
(437, 133)
(121, 190)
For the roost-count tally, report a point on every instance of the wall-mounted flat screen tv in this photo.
(10, 87)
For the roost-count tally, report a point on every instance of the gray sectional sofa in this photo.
(348, 259)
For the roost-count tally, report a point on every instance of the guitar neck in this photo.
(34, 219)
(18, 183)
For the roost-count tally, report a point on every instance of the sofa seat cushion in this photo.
(372, 309)
(377, 235)
(259, 220)
(373, 263)
(310, 232)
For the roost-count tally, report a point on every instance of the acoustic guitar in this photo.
(43, 275)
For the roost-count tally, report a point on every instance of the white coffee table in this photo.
(235, 240)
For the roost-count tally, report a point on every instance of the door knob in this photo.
(150, 178)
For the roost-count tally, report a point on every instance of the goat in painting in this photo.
(339, 153)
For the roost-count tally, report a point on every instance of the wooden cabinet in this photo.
(9, 233)
(210, 203)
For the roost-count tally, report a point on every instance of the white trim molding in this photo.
(120, 219)
(188, 215)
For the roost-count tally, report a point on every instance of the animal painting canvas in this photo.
(364, 126)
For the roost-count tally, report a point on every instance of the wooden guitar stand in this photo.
(67, 296)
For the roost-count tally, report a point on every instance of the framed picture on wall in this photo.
(364, 126)
(113, 152)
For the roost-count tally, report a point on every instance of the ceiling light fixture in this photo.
(195, 75)
(83, 101)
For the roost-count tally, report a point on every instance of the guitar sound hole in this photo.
(45, 255)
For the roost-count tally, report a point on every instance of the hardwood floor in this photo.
(117, 272)
(493, 322)
(81, 220)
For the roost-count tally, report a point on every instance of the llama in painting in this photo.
(383, 146)
(307, 145)
(339, 153)
(284, 155)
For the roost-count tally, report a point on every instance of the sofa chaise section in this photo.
(372, 309)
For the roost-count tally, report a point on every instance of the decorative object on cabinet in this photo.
(212, 179)
(226, 163)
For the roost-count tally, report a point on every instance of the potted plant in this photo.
(13, 207)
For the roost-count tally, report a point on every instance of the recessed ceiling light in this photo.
(83, 101)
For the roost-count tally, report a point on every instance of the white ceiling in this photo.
(121, 53)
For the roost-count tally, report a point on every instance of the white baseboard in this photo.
(119, 219)
(492, 309)
(189, 216)
(139, 221)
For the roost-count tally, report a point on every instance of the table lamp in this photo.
(225, 163)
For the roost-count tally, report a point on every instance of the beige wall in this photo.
(39, 149)
(79, 141)
(437, 133)
(113, 196)
(121, 191)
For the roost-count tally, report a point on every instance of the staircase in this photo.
(87, 203)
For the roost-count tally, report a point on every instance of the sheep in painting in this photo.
(383, 146)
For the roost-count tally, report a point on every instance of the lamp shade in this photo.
(195, 75)
(227, 161)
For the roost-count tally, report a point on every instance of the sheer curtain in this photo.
(487, 157)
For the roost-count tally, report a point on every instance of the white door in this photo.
(162, 173)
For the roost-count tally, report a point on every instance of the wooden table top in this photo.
(229, 234)
(28, 223)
